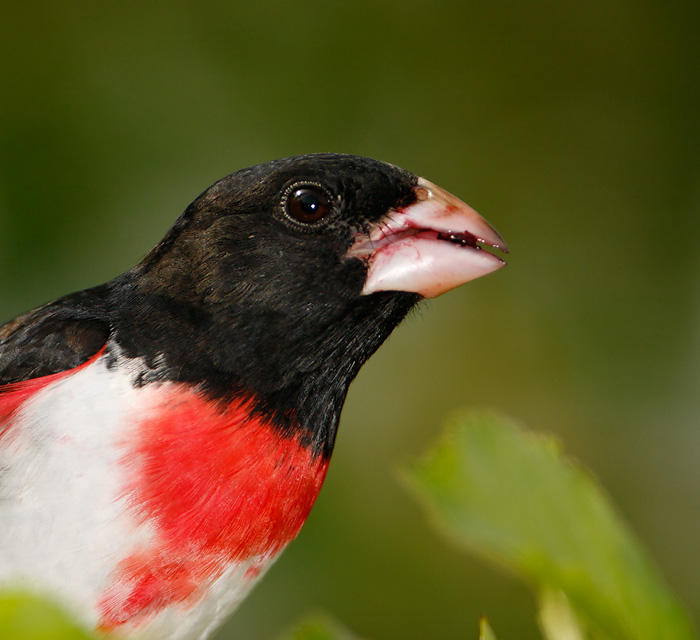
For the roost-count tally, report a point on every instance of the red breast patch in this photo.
(219, 486)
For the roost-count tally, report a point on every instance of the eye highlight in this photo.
(307, 204)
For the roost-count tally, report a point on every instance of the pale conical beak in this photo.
(428, 247)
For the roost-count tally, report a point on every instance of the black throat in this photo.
(294, 363)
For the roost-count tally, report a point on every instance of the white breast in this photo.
(64, 515)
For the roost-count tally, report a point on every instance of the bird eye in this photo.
(308, 204)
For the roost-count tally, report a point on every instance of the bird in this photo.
(163, 436)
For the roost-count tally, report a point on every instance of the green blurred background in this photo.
(573, 127)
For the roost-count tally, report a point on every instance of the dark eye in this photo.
(308, 204)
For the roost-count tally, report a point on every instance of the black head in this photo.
(278, 233)
(280, 280)
(252, 289)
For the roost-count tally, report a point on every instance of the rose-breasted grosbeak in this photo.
(163, 436)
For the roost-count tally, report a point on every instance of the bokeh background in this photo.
(573, 127)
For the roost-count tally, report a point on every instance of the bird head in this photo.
(286, 276)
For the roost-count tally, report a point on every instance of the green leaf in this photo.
(319, 627)
(28, 617)
(557, 619)
(485, 632)
(509, 495)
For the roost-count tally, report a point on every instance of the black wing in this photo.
(57, 337)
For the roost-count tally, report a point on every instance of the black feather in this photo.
(56, 337)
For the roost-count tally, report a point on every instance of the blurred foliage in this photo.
(485, 631)
(556, 617)
(573, 127)
(509, 495)
(28, 617)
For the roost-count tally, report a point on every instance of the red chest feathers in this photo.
(218, 487)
